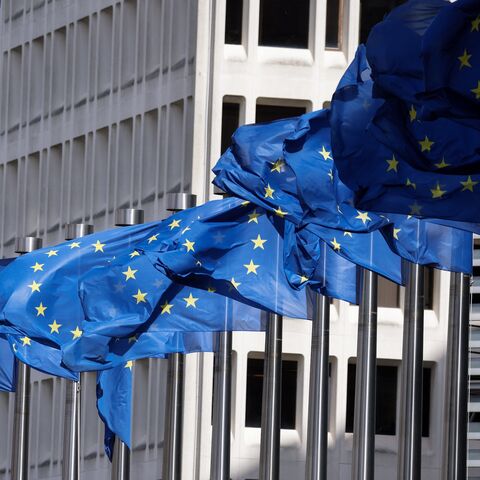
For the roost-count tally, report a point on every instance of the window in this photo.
(269, 113)
(253, 410)
(333, 29)
(372, 12)
(233, 22)
(284, 23)
(230, 122)
(386, 400)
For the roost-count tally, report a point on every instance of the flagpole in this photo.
(363, 463)
(72, 424)
(410, 438)
(20, 465)
(220, 456)
(317, 436)
(456, 391)
(222, 395)
(271, 400)
(124, 217)
(172, 444)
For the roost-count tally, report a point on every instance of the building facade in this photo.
(108, 104)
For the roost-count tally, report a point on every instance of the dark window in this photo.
(253, 411)
(428, 285)
(230, 122)
(284, 23)
(372, 12)
(332, 31)
(233, 22)
(386, 399)
(388, 293)
(269, 113)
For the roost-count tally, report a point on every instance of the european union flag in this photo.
(420, 136)
(39, 299)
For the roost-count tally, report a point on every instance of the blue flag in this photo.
(419, 128)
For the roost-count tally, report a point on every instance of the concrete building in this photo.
(113, 103)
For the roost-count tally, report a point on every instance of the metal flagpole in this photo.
(220, 457)
(20, 464)
(363, 463)
(456, 395)
(172, 446)
(410, 439)
(72, 426)
(221, 425)
(317, 438)
(124, 217)
(271, 400)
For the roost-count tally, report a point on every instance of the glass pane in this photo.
(269, 113)
(332, 38)
(372, 12)
(233, 22)
(230, 121)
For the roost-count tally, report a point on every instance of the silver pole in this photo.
(317, 438)
(172, 444)
(20, 465)
(363, 464)
(410, 439)
(271, 400)
(220, 457)
(456, 400)
(73, 397)
(124, 217)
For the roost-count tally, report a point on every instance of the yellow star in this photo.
(253, 217)
(129, 364)
(269, 191)
(134, 254)
(38, 267)
(132, 339)
(153, 238)
(52, 253)
(234, 283)
(186, 229)
(74, 245)
(442, 164)
(363, 216)
(211, 290)
(392, 164)
(348, 234)
(189, 245)
(35, 286)
(408, 183)
(26, 341)
(468, 184)
(476, 91)
(330, 174)
(166, 308)
(303, 279)
(98, 246)
(54, 327)
(475, 24)
(77, 333)
(437, 192)
(325, 153)
(396, 231)
(191, 301)
(464, 59)
(336, 245)
(40, 310)
(251, 267)
(413, 113)
(245, 203)
(140, 297)
(174, 224)
(415, 209)
(426, 144)
(129, 274)
(258, 242)
(278, 166)
(280, 212)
